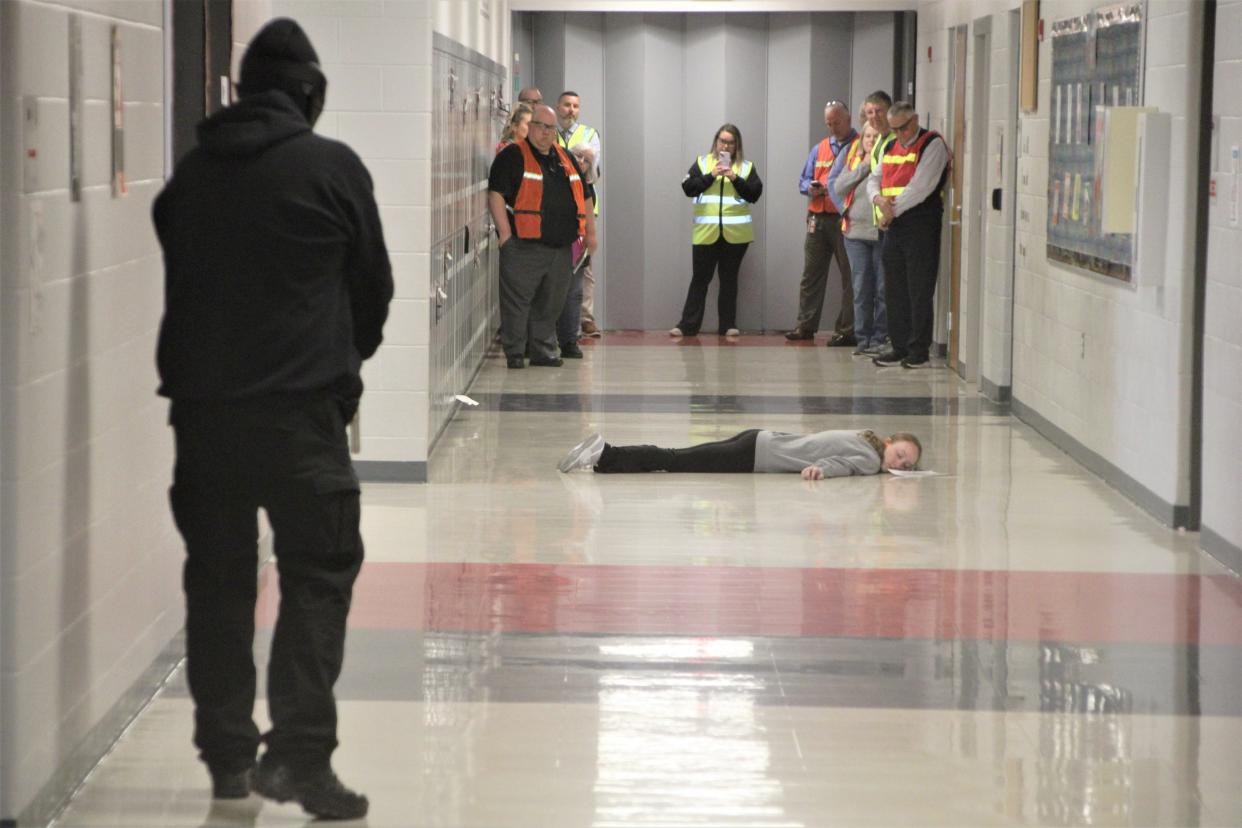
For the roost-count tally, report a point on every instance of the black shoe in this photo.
(230, 784)
(547, 362)
(797, 335)
(515, 362)
(916, 362)
(842, 341)
(888, 358)
(570, 350)
(318, 791)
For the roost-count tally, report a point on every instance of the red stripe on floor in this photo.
(739, 601)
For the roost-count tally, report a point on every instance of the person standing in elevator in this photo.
(908, 191)
(723, 185)
(277, 284)
(582, 140)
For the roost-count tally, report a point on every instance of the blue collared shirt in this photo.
(808, 170)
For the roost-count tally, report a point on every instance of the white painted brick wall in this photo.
(1106, 362)
(90, 557)
(1222, 398)
(377, 56)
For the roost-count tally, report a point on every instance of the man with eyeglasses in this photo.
(824, 241)
(541, 205)
(907, 190)
(531, 96)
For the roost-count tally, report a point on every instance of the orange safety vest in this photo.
(899, 163)
(527, 208)
(853, 158)
(823, 166)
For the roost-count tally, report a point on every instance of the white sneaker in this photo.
(733, 332)
(674, 332)
(584, 455)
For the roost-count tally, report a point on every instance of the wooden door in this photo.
(956, 195)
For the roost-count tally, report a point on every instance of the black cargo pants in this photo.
(290, 457)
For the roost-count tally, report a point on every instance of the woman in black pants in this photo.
(723, 185)
(815, 456)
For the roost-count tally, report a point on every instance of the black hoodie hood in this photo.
(251, 125)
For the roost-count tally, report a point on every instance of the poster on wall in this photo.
(119, 187)
(1096, 64)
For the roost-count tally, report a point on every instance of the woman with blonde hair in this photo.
(723, 185)
(517, 127)
(862, 246)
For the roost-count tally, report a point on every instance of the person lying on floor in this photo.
(816, 456)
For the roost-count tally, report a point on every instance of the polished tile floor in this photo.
(1009, 643)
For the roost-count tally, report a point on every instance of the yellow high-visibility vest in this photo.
(877, 158)
(719, 208)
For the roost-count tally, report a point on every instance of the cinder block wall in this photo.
(90, 594)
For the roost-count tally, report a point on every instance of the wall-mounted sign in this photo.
(119, 187)
(1096, 65)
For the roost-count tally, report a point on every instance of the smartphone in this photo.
(726, 159)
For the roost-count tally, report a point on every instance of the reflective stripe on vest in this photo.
(580, 135)
(877, 153)
(722, 209)
(853, 158)
(527, 207)
(823, 166)
(900, 162)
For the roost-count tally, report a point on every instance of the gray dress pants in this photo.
(534, 280)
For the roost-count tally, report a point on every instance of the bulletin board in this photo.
(1097, 62)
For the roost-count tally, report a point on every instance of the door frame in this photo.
(959, 47)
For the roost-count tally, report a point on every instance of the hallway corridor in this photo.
(1010, 642)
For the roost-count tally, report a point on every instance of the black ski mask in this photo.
(281, 57)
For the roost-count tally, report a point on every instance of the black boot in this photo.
(316, 789)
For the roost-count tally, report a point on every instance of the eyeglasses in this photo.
(903, 127)
(542, 125)
(728, 142)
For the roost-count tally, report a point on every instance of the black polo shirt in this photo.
(559, 226)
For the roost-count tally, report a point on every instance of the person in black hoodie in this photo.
(276, 289)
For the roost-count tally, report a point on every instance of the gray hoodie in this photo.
(837, 453)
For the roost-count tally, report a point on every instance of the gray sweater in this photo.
(862, 221)
(838, 453)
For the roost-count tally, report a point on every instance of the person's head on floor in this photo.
(875, 110)
(542, 128)
(902, 451)
(567, 108)
(281, 57)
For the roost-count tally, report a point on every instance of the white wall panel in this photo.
(86, 454)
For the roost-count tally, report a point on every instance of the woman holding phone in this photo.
(723, 185)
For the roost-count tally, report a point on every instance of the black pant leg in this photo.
(703, 260)
(313, 505)
(896, 290)
(736, 455)
(730, 264)
(922, 270)
(216, 515)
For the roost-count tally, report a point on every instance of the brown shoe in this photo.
(589, 329)
(797, 335)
